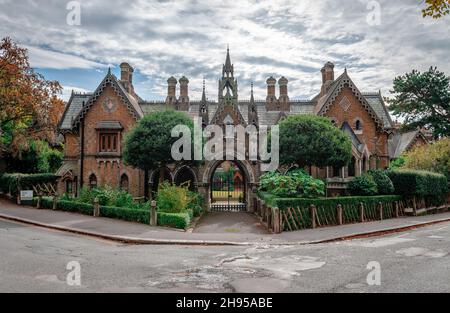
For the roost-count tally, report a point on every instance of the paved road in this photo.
(35, 260)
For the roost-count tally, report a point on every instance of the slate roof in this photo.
(73, 108)
(376, 101)
(373, 102)
(400, 142)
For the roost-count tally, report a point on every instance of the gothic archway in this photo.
(228, 191)
(185, 176)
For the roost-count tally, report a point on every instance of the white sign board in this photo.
(26, 195)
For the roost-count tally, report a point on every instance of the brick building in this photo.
(94, 125)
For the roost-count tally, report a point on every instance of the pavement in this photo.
(212, 229)
(37, 260)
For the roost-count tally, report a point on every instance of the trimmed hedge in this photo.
(131, 215)
(9, 182)
(418, 183)
(331, 203)
(177, 220)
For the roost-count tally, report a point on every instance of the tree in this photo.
(434, 157)
(308, 140)
(148, 146)
(436, 8)
(29, 107)
(423, 100)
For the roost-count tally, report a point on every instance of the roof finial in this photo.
(252, 99)
(204, 90)
(109, 70)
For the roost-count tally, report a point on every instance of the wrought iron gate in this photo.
(228, 195)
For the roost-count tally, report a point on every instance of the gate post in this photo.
(313, 215)
(396, 209)
(339, 214)
(276, 221)
(361, 212)
(96, 208)
(153, 214)
(380, 210)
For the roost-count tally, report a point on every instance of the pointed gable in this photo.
(110, 80)
(326, 101)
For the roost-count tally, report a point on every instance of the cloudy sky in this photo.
(189, 37)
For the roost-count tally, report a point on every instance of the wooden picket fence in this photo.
(297, 218)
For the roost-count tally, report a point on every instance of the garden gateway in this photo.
(94, 126)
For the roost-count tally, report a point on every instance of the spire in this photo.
(252, 99)
(228, 67)
(203, 93)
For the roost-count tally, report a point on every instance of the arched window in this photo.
(124, 183)
(358, 125)
(333, 121)
(92, 181)
(185, 177)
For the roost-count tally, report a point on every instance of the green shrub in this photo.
(172, 199)
(196, 202)
(176, 220)
(384, 183)
(418, 183)
(107, 196)
(363, 185)
(296, 183)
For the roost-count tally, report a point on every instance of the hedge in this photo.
(177, 220)
(418, 183)
(331, 203)
(8, 182)
(131, 215)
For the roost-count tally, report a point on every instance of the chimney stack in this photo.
(171, 90)
(284, 98)
(184, 93)
(126, 77)
(327, 76)
(271, 89)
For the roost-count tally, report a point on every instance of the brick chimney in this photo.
(126, 77)
(184, 93)
(171, 90)
(284, 98)
(327, 77)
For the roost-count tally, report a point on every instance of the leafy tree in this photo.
(308, 140)
(397, 163)
(29, 107)
(423, 99)
(436, 8)
(148, 146)
(434, 157)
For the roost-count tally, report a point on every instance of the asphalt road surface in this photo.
(35, 260)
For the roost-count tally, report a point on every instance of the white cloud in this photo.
(67, 91)
(189, 37)
(41, 58)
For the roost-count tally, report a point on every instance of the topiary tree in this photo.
(148, 146)
(384, 183)
(363, 185)
(308, 140)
